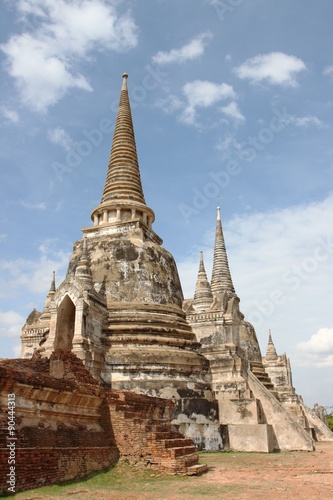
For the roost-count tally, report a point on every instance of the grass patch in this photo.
(129, 480)
(121, 478)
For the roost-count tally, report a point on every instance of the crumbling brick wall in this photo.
(62, 430)
(67, 426)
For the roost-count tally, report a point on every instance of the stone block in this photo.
(251, 437)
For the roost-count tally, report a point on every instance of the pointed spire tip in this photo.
(124, 86)
(221, 277)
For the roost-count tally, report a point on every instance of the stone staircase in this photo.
(258, 370)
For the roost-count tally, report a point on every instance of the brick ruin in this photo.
(67, 425)
(194, 363)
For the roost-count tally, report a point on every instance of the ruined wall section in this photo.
(61, 429)
(156, 443)
(67, 426)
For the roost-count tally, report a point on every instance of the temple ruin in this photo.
(121, 311)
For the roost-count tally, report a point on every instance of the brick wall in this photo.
(37, 467)
(142, 430)
(67, 426)
(62, 425)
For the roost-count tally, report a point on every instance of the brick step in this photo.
(189, 460)
(163, 435)
(195, 470)
(180, 465)
(162, 427)
(178, 442)
(183, 450)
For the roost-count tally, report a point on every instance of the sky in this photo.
(232, 106)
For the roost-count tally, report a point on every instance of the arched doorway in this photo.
(65, 325)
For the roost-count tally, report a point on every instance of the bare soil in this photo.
(287, 475)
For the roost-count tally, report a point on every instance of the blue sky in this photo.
(232, 106)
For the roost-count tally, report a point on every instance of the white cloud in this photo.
(305, 121)
(192, 50)
(61, 138)
(202, 93)
(276, 68)
(10, 114)
(10, 323)
(306, 360)
(44, 61)
(32, 275)
(228, 145)
(319, 343)
(33, 206)
(232, 111)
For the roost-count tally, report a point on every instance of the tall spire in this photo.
(123, 177)
(123, 197)
(221, 277)
(203, 296)
(271, 351)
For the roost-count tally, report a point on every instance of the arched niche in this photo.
(65, 324)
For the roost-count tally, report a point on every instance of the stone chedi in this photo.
(121, 310)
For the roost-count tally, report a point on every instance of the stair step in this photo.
(160, 435)
(179, 442)
(195, 470)
(161, 427)
(183, 450)
(189, 460)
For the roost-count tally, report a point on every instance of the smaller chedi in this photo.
(121, 310)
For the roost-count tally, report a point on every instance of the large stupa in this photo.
(121, 310)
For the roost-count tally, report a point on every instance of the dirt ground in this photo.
(241, 476)
(293, 475)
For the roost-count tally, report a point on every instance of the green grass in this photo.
(125, 482)
(122, 478)
(127, 479)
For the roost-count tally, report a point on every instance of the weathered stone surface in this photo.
(251, 437)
